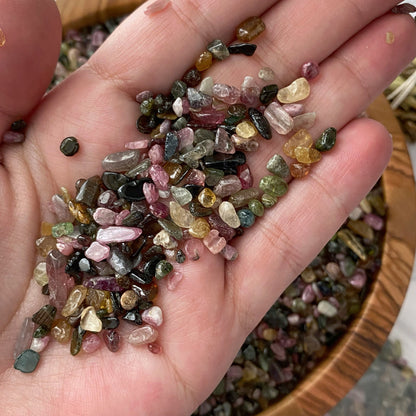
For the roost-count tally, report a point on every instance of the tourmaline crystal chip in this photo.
(27, 361)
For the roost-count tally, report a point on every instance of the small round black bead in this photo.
(69, 146)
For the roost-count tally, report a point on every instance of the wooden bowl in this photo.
(344, 365)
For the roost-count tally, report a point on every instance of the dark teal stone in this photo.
(178, 89)
(268, 93)
(171, 145)
(27, 361)
(69, 146)
(260, 122)
(247, 49)
(327, 140)
(247, 218)
(249, 353)
(233, 120)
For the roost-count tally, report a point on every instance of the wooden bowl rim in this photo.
(351, 356)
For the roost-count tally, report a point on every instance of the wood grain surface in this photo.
(349, 359)
(79, 13)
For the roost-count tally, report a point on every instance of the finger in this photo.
(171, 40)
(291, 234)
(295, 26)
(32, 33)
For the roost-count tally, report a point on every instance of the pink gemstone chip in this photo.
(13, 137)
(91, 343)
(214, 242)
(39, 344)
(156, 153)
(137, 144)
(193, 248)
(309, 70)
(159, 176)
(150, 192)
(97, 251)
(104, 216)
(143, 335)
(153, 316)
(121, 216)
(117, 234)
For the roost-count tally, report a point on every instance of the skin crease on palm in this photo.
(216, 304)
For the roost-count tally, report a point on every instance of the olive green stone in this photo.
(268, 200)
(198, 210)
(178, 89)
(174, 230)
(273, 185)
(327, 140)
(233, 120)
(147, 106)
(349, 239)
(377, 202)
(179, 124)
(163, 268)
(213, 176)
(27, 361)
(242, 197)
(76, 340)
(256, 207)
(298, 305)
(62, 228)
(278, 166)
(203, 134)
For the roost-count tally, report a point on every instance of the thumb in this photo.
(30, 36)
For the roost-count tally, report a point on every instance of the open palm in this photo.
(217, 303)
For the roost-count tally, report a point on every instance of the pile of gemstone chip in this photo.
(183, 187)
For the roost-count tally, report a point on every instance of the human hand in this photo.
(216, 304)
